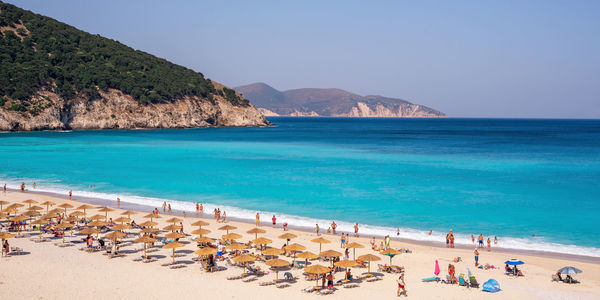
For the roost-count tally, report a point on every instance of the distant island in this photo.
(330, 103)
(55, 77)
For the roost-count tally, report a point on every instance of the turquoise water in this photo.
(506, 178)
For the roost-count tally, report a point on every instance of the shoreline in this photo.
(207, 216)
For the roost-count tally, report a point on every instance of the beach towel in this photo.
(431, 279)
(491, 286)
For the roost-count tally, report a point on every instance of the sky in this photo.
(515, 59)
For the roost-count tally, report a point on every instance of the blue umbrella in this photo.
(513, 262)
(569, 271)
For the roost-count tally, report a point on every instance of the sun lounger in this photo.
(234, 277)
(462, 282)
(351, 285)
(282, 285)
(137, 259)
(374, 278)
(431, 279)
(177, 266)
(149, 260)
(309, 289)
(249, 278)
(570, 280)
(299, 264)
(473, 282)
(325, 292)
(267, 283)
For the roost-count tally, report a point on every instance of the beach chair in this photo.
(249, 278)
(309, 289)
(282, 285)
(234, 277)
(462, 282)
(267, 283)
(299, 264)
(374, 278)
(473, 282)
(350, 285)
(325, 292)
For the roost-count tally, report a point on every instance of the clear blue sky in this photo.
(465, 58)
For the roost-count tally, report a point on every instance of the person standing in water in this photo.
(197, 207)
(5, 188)
(480, 240)
(224, 216)
(22, 186)
(34, 185)
(472, 239)
(333, 226)
(70, 194)
(489, 242)
(274, 221)
(495, 240)
(164, 206)
(169, 206)
(356, 229)
(257, 219)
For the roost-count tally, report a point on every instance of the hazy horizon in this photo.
(511, 59)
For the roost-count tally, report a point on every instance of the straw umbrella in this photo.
(172, 227)
(76, 214)
(244, 259)
(18, 219)
(71, 220)
(122, 220)
(55, 211)
(150, 230)
(204, 240)
(173, 245)
(39, 222)
(4, 236)
(48, 204)
(321, 241)
(66, 206)
(294, 248)
(174, 220)
(236, 246)
(128, 213)
(105, 210)
(200, 223)
(206, 251)
(89, 231)
(232, 236)
(331, 254)
(306, 255)
(391, 253)
(201, 232)
(287, 236)
(227, 228)
(262, 241)
(318, 270)
(174, 235)
(35, 207)
(84, 207)
(10, 210)
(96, 217)
(97, 223)
(16, 205)
(148, 224)
(145, 240)
(256, 231)
(62, 227)
(345, 264)
(2, 202)
(120, 227)
(353, 246)
(30, 201)
(369, 258)
(151, 217)
(114, 235)
(272, 251)
(277, 263)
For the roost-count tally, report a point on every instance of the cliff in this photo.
(54, 76)
(331, 103)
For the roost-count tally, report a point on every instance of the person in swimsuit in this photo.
(489, 242)
(401, 286)
(333, 226)
(342, 240)
(164, 206)
(480, 240)
(476, 257)
(274, 221)
(224, 216)
(70, 194)
(257, 219)
(317, 228)
(356, 230)
(118, 203)
(169, 207)
(201, 209)
(330, 281)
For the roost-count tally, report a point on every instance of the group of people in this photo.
(218, 216)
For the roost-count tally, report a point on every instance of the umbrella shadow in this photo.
(185, 242)
(374, 273)
(158, 256)
(184, 251)
(185, 262)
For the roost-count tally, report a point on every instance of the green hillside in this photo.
(38, 52)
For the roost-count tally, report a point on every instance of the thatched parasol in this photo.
(122, 220)
(2, 202)
(85, 207)
(201, 232)
(244, 259)
(200, 223)
(206, 251)
(277, 263)
(29, 201)
(353, 246)
(256, 231)
(145, 240)
(272, 251)
(236, 246)
(120, 227)
(66, 206)
(172, 227)
(262, 241)
(321, 241)
(150, 230)
(96, 217)
(105, 210)
(287, 236)
(35, 207)
(173, 245)
(204, 240)
(174, 220)
(232, 236)
(227, 228)
(174, 235)
(318, 270)
(369, 258)
(151, 217)
(128, 213)
(345, 264)
(48, 204)
(148, 224)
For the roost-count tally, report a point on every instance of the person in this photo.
(169, 207)
(356, 230)
(451, 240)
(489, 242)
(284, 226)
(472, 239)
(201, 209)
(476, 257)
(224, 216)
(317, 228)
(372, 243)
(181, 226)
(495, 240)
(220, 251)
(211, 263)
(6, 247)
(5, 188)
(197, 207)
(328, 230)
(333, 227)
(480, 240)
(330, 281)
(23, 187)
(274, 220)
(184, 214)
(559, 277)
(34, 185)
(257, 219)
(451, 272)
(398, 232)
(430, 231)
(448, 240)
(70, 194)
(348, 274)
(342, 240)
(401, 285)
(164, 206)
(90, 242)
(347, 253)
(323, 278)
(118, 203)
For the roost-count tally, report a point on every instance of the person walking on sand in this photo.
(451, 240)
(401, 285)
(70, 194)
(342, 240)
(224, 216)
(201, 210)
(333, 226)
(274, 221)
(476, 252)
(257, 219)
(284, 226)
(489, 242)
(118, 203)
(317, 228)
(164, 206)
(356, 229)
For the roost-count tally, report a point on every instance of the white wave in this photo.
(307, 222)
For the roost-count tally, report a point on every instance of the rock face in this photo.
(115, 110)
(331, 103)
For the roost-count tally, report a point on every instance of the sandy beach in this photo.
(47, 271)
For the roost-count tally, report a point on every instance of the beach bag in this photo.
(491, 286)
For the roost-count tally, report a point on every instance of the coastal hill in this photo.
(54, 76)
(330, 103)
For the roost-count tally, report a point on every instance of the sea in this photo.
(532, 183)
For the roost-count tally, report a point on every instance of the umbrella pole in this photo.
(354, 254)
(276, 274)
(145, 256)
(173, 255)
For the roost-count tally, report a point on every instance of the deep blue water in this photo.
(505, 177)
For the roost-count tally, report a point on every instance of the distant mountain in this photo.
(330, 103)
(54, 76)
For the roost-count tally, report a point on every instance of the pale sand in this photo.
(51, 272)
